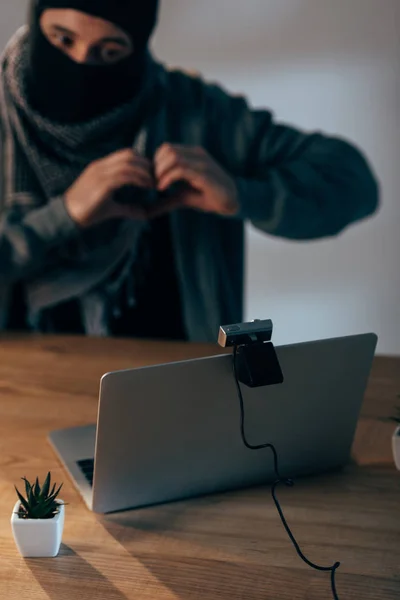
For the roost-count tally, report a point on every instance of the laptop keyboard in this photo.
(87, 468)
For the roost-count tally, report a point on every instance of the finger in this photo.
(181, 149)
(180, 173)
(136, 173)
(136, 159)
(168, 155)
(173, 160)
(166, 162)
(187, 165)
(165, 150)
(116, 170)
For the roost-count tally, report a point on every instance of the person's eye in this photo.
(111, 54)
(62, 40)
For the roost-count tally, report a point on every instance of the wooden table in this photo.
(225, 547)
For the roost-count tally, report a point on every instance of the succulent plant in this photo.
(40, 501)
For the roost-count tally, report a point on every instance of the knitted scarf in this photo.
(43, 159)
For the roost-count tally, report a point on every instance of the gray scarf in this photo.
(45, 158)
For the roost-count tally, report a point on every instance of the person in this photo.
(125, 185)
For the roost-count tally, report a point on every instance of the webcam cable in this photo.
(279, 480)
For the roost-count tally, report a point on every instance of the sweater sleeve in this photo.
(291, 184)
(26, 241)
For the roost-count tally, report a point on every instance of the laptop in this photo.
(172, 432)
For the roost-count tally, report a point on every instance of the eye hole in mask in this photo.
(107, 52)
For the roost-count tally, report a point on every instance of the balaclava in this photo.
(68, 92)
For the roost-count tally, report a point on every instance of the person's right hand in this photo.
(90, 200)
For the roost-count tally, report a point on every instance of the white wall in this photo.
(12, 14)
(319, 64)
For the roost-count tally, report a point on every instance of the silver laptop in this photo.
(172, 431)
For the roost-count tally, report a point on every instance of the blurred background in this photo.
(331, 65)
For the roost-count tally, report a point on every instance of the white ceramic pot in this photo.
(396, 447)
(38, 537)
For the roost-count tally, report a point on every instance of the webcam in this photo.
(241, 334)
(256, 363)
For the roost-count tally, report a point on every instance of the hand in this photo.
(206, 186)
(90, 201)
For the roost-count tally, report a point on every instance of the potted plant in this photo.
(396, 440)
(38, 519)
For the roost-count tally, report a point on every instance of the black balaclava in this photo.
(68, 92)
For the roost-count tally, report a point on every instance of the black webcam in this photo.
(255, 360)
(245, 333)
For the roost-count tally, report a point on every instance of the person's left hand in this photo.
(205, 185)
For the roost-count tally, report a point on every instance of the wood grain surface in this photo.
(221, 547)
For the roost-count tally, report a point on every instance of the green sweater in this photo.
(291, 185)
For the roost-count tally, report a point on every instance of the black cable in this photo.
(279, 480)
